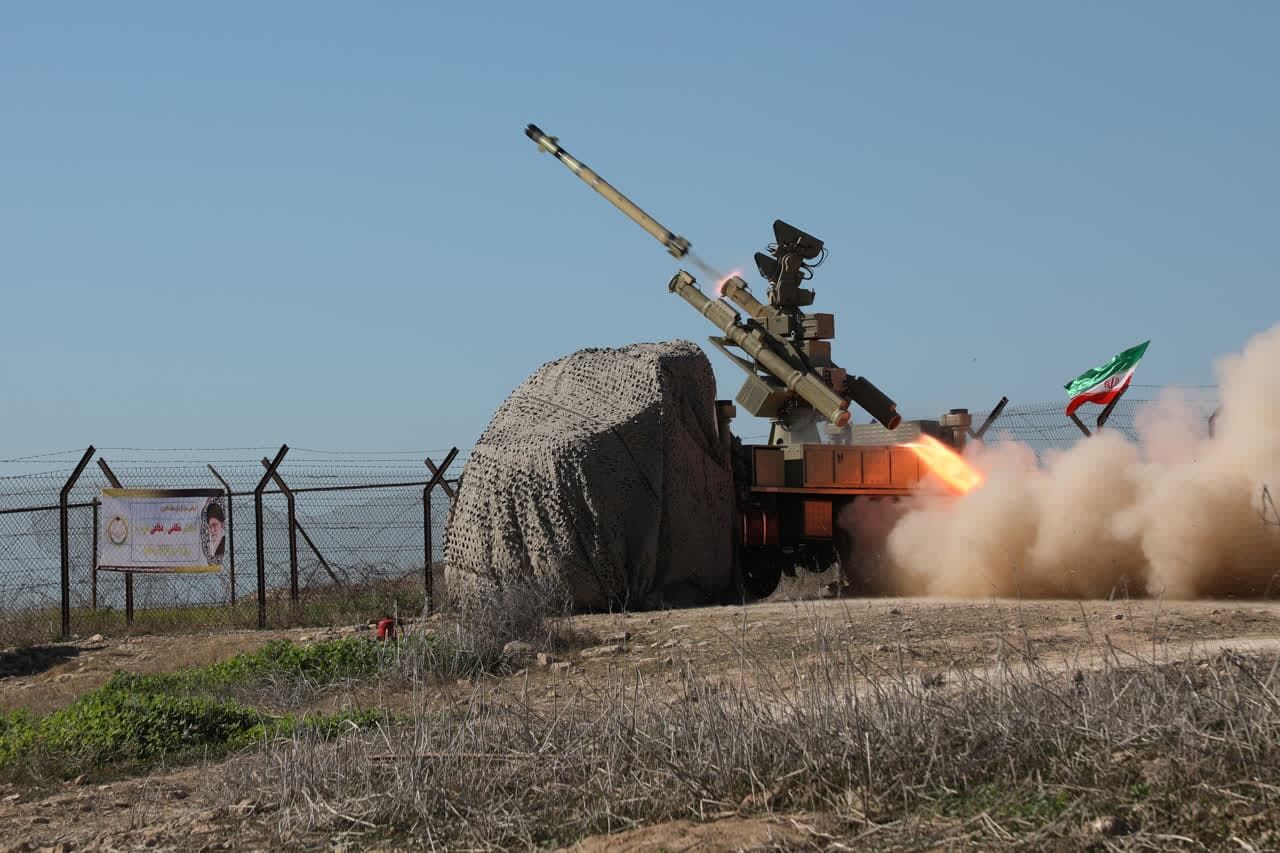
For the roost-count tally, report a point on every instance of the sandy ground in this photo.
(217, 806)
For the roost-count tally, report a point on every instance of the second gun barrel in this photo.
(675, 244)
(734, 288)
(803, 383)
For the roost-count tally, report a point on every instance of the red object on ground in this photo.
(386, 629)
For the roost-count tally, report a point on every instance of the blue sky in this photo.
(317, 223)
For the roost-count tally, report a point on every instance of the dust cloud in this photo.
(1177, 513)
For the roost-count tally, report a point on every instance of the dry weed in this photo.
(1022, 754)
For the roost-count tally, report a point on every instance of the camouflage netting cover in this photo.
(602, 470)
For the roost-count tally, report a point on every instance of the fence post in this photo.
(302, 531)
(1106, 413)
(231, 530)
(991, 418)
(64, 536)
(128, 576)
(94, 577)
(291, 508)
(428, 546)
(257, 517)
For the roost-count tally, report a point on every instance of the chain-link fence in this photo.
(1044, 426)
(366, 536)
(367, 531)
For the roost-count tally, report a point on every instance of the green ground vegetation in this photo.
(135, 721)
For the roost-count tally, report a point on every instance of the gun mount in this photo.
(785, 372)
(789, 493)
(791, 379)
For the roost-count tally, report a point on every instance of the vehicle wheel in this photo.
(761, 572)
(820, 558)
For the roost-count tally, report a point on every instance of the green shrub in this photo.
(118, 723)
(17, 730)
(319, 664)
(134, 721)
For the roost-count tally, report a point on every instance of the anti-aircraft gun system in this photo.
(791, 379)
(791, 491)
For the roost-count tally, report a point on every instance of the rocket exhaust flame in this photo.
(723, 280)
(949, 466)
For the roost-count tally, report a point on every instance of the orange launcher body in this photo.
(790, 498)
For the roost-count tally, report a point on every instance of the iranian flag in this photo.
(1103, 384)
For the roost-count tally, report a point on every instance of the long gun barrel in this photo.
(804, 383)
(676, 245)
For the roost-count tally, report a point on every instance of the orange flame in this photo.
(950, 466)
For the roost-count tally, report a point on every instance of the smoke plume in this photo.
(1177, 513)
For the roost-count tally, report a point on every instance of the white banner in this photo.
(162, 530)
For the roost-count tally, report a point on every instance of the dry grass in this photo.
(484, 620)
(1169, 754)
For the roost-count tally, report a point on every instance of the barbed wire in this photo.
(38, 456)
(1161, 387)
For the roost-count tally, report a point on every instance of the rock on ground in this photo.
(601, 472)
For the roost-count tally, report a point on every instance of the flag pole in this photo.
(1106, 413)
